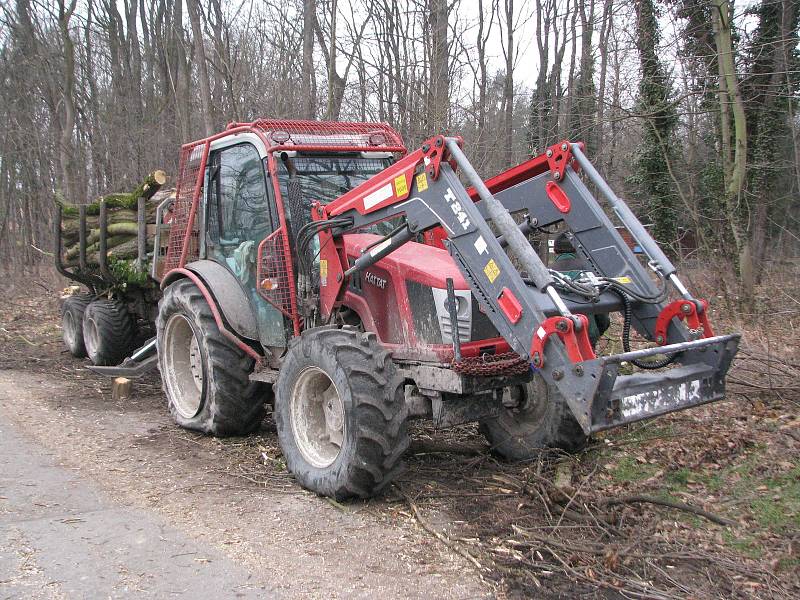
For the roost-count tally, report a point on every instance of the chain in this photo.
(492, 365)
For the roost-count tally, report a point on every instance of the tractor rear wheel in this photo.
(534, 417)
(108, 332)
(206, 378)
(72, 323)
(340, 413)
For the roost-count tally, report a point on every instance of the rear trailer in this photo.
(109, 248)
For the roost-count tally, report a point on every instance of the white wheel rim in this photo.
(70, 333)
(316, 412)
(91, 337)
(183, 366)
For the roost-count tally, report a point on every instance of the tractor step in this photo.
(142, 361)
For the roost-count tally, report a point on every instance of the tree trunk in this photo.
(193, 6)
(736, 169)
(307, 79)
(508, 85)
(439, 94)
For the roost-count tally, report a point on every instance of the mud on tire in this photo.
(541, 420)
(72, 323)
(372, 413)
(108, 332)
(205, 377)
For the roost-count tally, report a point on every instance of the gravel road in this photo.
(107, 499)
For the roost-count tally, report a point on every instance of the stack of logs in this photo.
(122, 227)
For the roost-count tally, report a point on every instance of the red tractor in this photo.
(360, 286)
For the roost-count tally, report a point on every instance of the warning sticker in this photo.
(492, 271)
(623, 279)
(422, 182)
(323, 272)
(400, 186)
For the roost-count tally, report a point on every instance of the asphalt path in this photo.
(60, 537)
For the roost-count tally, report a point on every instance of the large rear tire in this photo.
(72, 312)
(534, 417)
(340, 413)
(206, 378)
(108, 332)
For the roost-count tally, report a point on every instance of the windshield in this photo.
(306, 179)
(325, 178)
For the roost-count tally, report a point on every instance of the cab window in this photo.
(238, 204)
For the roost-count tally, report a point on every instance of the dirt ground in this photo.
(700, 504)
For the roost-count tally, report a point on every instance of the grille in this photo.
(275, 283)
(464, 328)
(364, 136)
(187, 194)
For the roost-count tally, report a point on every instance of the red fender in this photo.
(212, 304)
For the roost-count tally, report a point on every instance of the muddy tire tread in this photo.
(234, 404)
(116, 331)
(378, 409)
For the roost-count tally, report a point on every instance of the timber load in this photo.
(122, 224)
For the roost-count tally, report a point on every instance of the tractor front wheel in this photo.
(340, 413)
(108, 332)
(534, 417)
(72, 323)
(206, 377)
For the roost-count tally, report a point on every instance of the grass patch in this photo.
(627, 469)
(780, 511)
(745, 544)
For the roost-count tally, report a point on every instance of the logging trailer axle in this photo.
(362, 286)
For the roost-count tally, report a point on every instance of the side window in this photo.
(238, 205)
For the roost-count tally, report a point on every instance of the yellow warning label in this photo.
(422, 182)
(623, 279)
(400, 186)
(491, 269)
(323, 268)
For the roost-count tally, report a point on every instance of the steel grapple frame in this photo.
(544, 327)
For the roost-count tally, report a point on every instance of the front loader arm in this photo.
(532, 316)
(430, 195)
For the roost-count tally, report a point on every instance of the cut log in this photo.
(150, 185)
(146, 189)
(128, 249)
(121, 389)
(116, 240)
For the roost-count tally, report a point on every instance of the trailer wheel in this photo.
(72, 323)
(534, 417)
(206, 378)
(108, 332)
(340, 413)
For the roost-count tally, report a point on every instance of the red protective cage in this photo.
(274, 267)
(272, 273)
(184, 248)
(337, 135)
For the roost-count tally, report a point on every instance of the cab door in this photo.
(240, 213)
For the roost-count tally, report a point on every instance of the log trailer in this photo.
(355, 285)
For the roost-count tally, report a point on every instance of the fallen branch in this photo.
(671, 504)
(433, 447)
(442, 538)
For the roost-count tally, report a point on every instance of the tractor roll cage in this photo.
(274, 252)
(423, 187)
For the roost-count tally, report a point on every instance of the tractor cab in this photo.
(260, 182)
